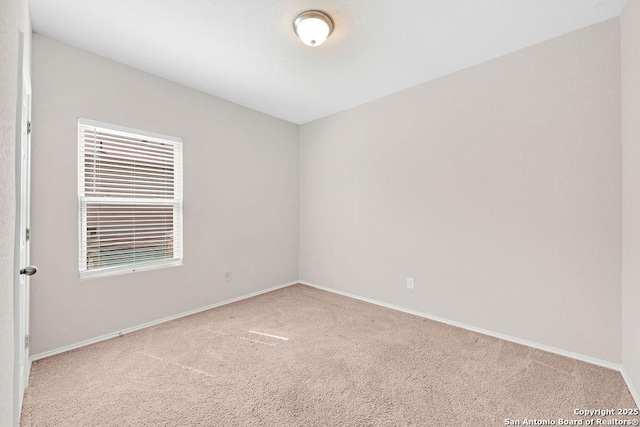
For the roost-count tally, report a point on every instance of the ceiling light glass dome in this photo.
(313, 27)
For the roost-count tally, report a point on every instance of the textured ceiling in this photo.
(245, 51)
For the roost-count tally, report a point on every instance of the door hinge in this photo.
(27, 234)
(29, 127)
(27, 338)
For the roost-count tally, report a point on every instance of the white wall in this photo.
(240, 197)
(497, 188)
(14, 18)
(630, 48)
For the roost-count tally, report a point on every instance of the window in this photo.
(129, 199)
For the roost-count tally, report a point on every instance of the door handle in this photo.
(30, 270)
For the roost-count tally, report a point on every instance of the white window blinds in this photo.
(129, 198)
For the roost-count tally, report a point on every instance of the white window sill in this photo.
(113, 271)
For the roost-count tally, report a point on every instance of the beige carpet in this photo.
(330, 361)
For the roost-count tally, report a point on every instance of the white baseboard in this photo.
(632, 388)
(577, 356)
(152, 323)
(28, 373)
(572, 355)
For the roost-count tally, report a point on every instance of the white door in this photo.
(23, 165)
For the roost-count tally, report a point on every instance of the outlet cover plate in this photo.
(411, 283)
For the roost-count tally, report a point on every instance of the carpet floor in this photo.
(299, 356)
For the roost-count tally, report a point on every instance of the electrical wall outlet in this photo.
(227, 276)
(411, 283)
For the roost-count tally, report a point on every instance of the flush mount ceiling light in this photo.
(313, 27)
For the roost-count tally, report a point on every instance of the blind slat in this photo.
(104, 152)
(152, 146)
(124, 167)
(91, 132)
(119, 158)
(110, 225)
(126, 177)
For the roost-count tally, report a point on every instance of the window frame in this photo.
(176, 202)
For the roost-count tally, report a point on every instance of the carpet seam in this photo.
(145, 325)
